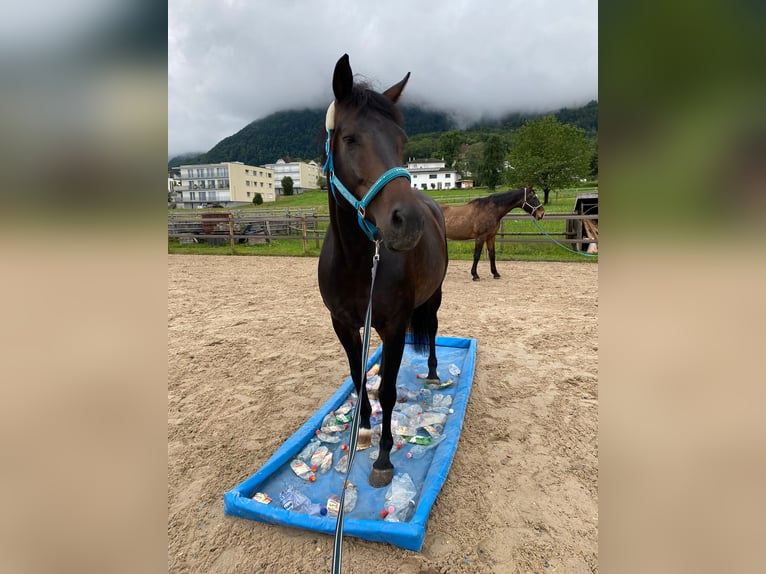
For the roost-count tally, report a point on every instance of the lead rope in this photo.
(337, 547)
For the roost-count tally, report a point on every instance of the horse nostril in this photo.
(397, 220)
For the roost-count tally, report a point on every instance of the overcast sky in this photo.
(231, 62)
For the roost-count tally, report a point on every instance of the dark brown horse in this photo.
(480, 220)
(371, 203)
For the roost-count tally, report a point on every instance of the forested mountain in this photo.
(299, 134)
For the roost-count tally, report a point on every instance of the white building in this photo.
(228, 184)
(432, 174)
(304, 175)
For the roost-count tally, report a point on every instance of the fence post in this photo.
(305, 237)
(231, 232)
(316, 230)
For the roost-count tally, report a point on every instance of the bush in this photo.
(257, 199)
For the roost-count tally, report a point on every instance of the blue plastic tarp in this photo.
(365, 521)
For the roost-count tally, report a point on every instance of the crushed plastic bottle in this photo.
(318, 457)
(344, 409)
(441, 403)
(326, 463)
(331, 423)
(454, 370)
(294, 500)
(400, 503)
(308, 450)
(342, 465)
(333, 506)
(419, 450)
(438, 386)
(352, 494)
(327, 437)
(302, 470)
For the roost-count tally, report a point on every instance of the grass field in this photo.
(559, 202)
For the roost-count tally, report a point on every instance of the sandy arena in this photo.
(252, 354)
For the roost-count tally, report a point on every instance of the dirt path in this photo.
(252, 354)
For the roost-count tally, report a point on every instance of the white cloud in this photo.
(232, 62)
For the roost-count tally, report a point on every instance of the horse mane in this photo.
(500, 199)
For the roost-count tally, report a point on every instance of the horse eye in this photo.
(349, 139)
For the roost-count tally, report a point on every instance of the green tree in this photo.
(449, 146)
(492, 161)
(287, 185)
(548, 155)
(257, 199)
(471, 164)
(322, 182)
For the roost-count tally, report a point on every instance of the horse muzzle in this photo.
(403, 227)
(539, 213)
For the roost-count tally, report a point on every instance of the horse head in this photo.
(532, 204)
(364, 148)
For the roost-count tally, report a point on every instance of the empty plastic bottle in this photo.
(308, 450)
(342, 465)
(327, 437)
(352, 493)
(294, 500)
(400, 503)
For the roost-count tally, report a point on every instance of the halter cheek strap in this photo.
(531, 207)
(359, 205)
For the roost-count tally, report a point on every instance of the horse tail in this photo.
(424, 323)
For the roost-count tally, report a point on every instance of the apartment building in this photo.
(228, 184)
(304, 175)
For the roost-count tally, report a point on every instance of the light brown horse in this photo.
(480, 220)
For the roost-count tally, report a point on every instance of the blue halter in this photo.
(360, 205)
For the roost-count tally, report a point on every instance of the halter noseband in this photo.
(359, 205)
(532, 207)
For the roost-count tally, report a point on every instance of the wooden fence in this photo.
(232, 227)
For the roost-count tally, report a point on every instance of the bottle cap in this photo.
(391, 509)
(409, 455)
(314, 468)
(384, 513)
(312, 478)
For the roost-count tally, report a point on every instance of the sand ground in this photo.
(252, 354)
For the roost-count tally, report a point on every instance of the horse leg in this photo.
(476, 256)
(393, 348)
(491, 253)
(425, 318)
(352, 343)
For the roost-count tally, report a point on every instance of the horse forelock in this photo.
(368, 101)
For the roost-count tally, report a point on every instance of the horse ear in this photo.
(342, 79)
(396, 90)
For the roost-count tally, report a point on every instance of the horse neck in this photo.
(508, 200)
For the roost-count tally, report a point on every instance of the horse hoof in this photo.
(364, 440)
(475, 278)
(496, 276)
(380, 478)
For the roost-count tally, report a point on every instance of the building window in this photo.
(247, 182)
(248, 194)
(211, 184)
(431, 176)
(202, 196)
(193, 195)
(447, 175)
(247, 171)
(262, 184)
